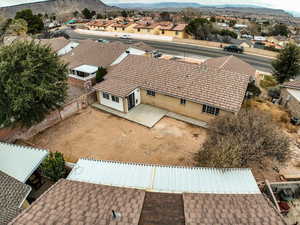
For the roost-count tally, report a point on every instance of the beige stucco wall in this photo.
(190, 109)
(171, 33)
(292, 104)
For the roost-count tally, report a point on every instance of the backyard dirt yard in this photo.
(98, 135)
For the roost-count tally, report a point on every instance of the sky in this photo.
(290, 5)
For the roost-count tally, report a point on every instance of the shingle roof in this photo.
(292, 84)
(70, 202)
(116, 87)
(208, 209)
(231, 63)
(199, 83)
(55, 43)
(12, 195)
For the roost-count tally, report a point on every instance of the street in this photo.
(185, 50)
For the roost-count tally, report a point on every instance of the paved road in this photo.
(186, 50)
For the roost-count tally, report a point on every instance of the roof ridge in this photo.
(226, 61)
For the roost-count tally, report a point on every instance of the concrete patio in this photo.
(145, 115)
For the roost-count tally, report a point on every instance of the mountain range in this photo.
(56, 6)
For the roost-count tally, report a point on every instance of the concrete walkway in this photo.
(145, 115)
(187, 119)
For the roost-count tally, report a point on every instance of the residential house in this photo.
(100, 25)
(13, 194)
(173, 30)
(146, 28)
(290, 97)
(84, 59)
(204, 91)
(145, 194)
(278, 40)
(242, 43)
(123, 27)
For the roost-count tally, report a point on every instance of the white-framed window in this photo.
(210, 110)
(151, 93)
(115, 98)
(182, 101)
(105, 95)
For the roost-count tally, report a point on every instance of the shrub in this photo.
(53, 166)
(242, 140)
(100, 74)
(274, 92)
(253, 90)
(268, 81)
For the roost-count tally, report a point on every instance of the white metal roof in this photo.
(20, 161)
(165, 178)
(86, 69)
(294, 93)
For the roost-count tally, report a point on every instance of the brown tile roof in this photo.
(55, 43)
(179, 27)
(116, 87)
(292, 84)
(162, 209)
(198, 83)
(124, 25)
(93, 53)
(231, 63)
(208, 209)
(146, 25)
(71, 202)
(12, 195)
(166, 26)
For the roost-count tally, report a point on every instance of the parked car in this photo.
(234, 48)
(125, 36)
(102, 41)
(157, 54)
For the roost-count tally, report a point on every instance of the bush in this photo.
(243, 139)
(253, 90)
(100, 74)
(268, 81)
(274, 92)
(53, 166)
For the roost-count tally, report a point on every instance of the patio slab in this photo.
(142, 114)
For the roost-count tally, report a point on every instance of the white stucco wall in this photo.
(110, 103)
(137, 94)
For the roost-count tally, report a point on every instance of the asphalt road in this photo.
(185, 50)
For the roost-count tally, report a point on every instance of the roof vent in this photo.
(115, 215)
(128, 52)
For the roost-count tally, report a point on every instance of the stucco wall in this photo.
(190, 109)
(171, 33)
(110, 103)
(137, 96)
(290, 103)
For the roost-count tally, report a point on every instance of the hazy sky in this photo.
(292, 5)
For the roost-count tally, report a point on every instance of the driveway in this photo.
(99, 135)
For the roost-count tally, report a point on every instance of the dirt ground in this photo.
(98, 135)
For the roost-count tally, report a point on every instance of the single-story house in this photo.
(202, 92)
(13, 194)
(173, 30)
(242, 43)
(146, 27)
(89, 55)
(105, 192)
(290, 97)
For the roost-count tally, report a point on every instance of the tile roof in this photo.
(204, 84)
(179, 27)
(116, 87)
(69, 202)
(208, 209)
(55, 43)
(12, 195)
(93, 53)
(162, 209)
(292, 84)
(231, 63)
(146, 25)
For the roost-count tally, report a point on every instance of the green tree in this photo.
(165, 16)
(87, 14)
(287, 63)
(199, 28)
(253, 90)
(280, 29)
(228, 33)
(243, 140)
(213, 19)
(34, 22)
(53, 167)
(124, 14)
(100, 74)
(33, 82)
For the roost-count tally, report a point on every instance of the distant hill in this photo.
(56, 6)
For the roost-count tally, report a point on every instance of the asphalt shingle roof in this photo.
(12, 195)
(199, 83)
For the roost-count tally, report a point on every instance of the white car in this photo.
(125, 36)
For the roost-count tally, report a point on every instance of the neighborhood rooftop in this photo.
(12, 195)
(202, 84)
(20, 161)
(165, 178)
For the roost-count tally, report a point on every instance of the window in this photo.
(105, 95)
(115, 98)
(162, 32)
(210, 110)
(123, 28)
(139, 30)
(152, 93)
(182, 101)
(115, 28)
(148, 30)
(176, 32)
